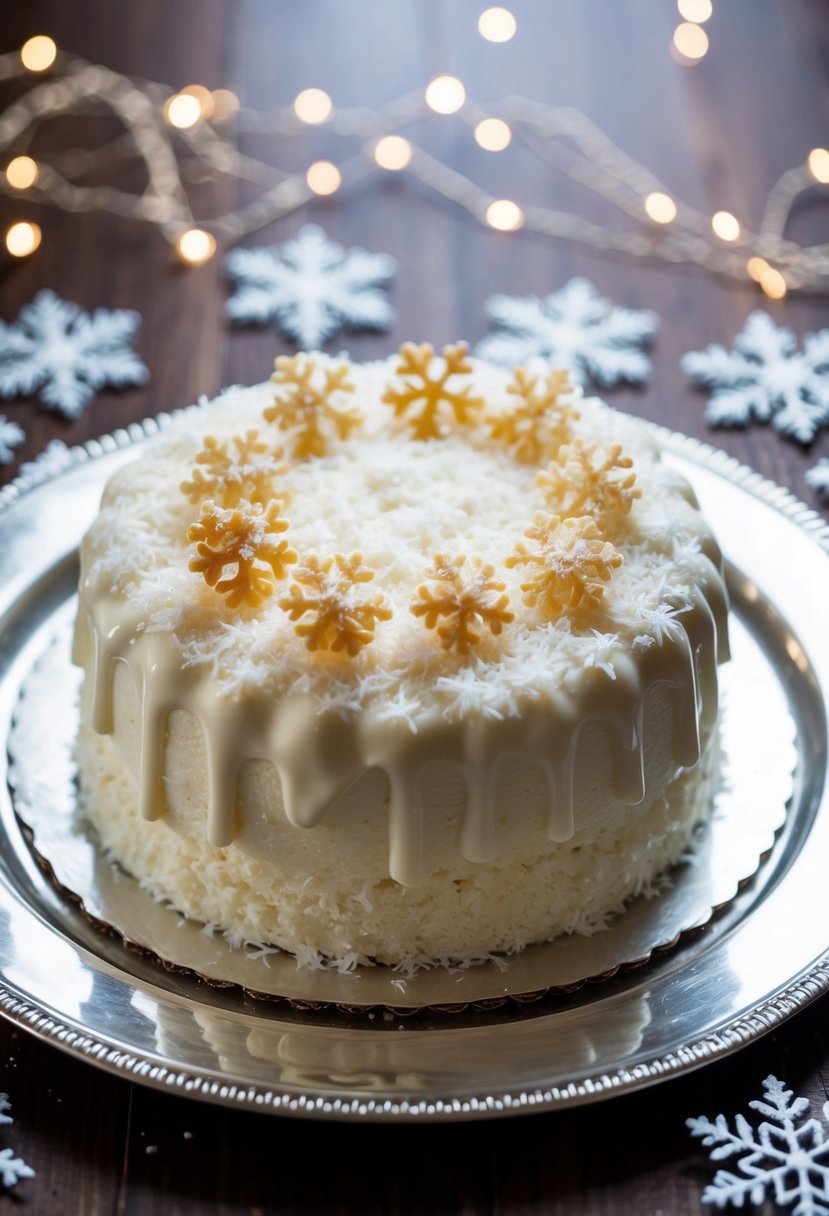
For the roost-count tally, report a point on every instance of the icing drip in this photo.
(318, 756)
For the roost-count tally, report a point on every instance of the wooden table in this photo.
(718, 135)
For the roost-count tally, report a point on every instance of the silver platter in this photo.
(754, 964)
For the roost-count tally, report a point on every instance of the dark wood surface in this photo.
(718, 135)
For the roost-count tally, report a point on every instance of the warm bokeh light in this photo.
(818, 162)
(392, 152)
(773, 284)
(725, 225)
(691, 41)
(493, 134)
(195, 246)
(497, 24)
(695, 10)
(203, 96)
(21, 172)
(505, 215)
(38, 53)
(225, 104)
(756, 268)
(22, 238)
(182, 111)
(323, 177)
(313, 106)
(660, 207)
(445, 94)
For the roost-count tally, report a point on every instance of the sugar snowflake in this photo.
(310, 287)
(341, 619)
(425, 379)
(767, 378)
(464, 602)
(12, 1168)
(574, 328)
(67, 353)
(569, 562)
(242, 542)
(585, 479)
(309, 403)
(818, 477)
(786, 1159)
(540, 420)
(228, 477)
(11, 436)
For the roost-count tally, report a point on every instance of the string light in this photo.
(497, 24)
(182, 111)
(756, 268)
(393, 152)
(313, 106)
(323, 177)
(493, 134)
(691, 41)
(505, 215)
(818, 162)
(561, 137)
(204, 98)
(21, 172)
(23, 238)
(445, 94)
(195, 246)
(697, 11)
(773, 284)
(225, 104)
(660, 207)
(725, 225)
(39, 53)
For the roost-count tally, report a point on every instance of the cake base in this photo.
(479, 909)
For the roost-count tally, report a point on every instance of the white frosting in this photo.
(403, 702)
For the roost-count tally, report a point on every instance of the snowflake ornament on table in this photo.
(786, 1159)
(818, 477)
(68, 354)
(310, 287)
(12, 1168)
(765, 377)
(574, 328)
(11, 436)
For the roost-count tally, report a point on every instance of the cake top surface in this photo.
(423, 530)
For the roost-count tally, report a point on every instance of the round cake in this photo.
(407, 660)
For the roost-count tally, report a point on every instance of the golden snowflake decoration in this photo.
(423, 383)
(568, 565)
(241, 541)
(541, 420)
(308, 403)
(465, 603)
(340, 618)
(585, 479)
(227, 477)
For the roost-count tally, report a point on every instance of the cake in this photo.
(406, 660)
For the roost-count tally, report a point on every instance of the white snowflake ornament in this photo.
(818, 477)
(786, 1159)
(574, 328)
(310, 287)
(12, 1168)
(11, 436)
(767, 378)
(67, 354)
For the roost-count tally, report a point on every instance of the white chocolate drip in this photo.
(318, 755)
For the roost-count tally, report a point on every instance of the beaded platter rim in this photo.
(793, 994)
